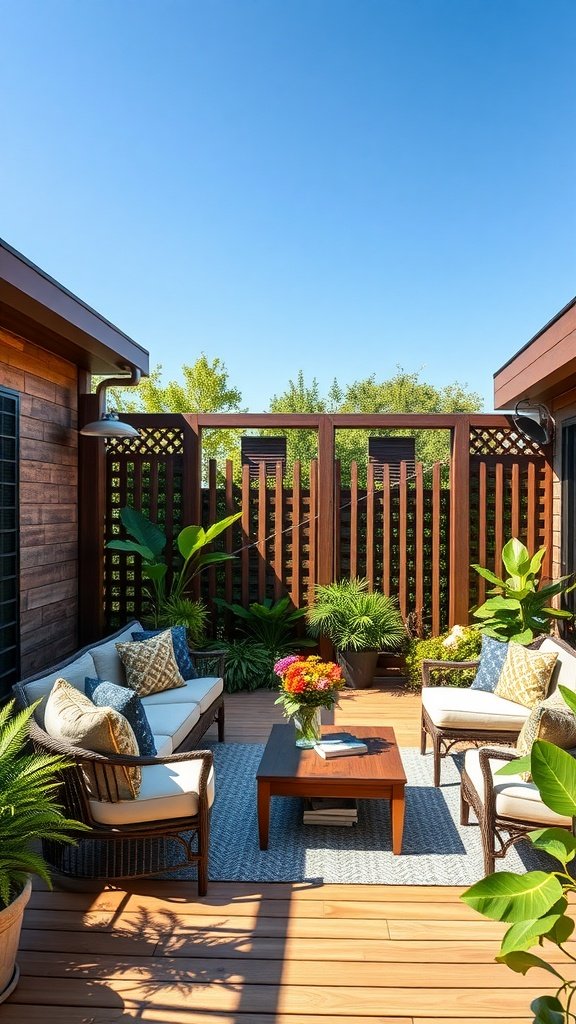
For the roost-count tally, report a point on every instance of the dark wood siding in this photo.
(48, 388)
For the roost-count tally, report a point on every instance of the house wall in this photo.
(563, 408)
(48, 386)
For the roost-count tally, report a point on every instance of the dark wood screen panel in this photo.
(9, 541)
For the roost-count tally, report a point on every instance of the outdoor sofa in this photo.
(166, 826)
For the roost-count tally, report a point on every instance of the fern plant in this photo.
(355, 619)
(29, 810)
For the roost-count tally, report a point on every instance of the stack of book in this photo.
(340, 745)
(330, 811)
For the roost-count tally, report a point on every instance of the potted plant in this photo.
(360, 623)
(29, 812)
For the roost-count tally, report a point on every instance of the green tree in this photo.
(204, 388)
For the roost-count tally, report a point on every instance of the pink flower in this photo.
(284, 663)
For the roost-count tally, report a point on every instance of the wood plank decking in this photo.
(267, 954)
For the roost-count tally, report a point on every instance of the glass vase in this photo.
(307, 725)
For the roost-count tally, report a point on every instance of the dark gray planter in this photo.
(359, 667)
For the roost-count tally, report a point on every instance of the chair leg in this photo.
(220, 720)
(203, 875)
(464, 809)
(423, 737)
(437, 759)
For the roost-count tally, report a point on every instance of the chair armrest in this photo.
(487, 754)
(429, 666)
(205, 661)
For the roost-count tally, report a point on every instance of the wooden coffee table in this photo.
(287, 770)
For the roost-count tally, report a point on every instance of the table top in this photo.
(282, 759)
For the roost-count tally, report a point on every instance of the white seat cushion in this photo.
(167, 791)
(174, 720)
(451, 707)
(163, 745)
(515, 798)
(200, 691)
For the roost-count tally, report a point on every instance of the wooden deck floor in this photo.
(267, 954)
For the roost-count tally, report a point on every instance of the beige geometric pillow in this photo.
(71, 716)
(150, 664)
(550, 720)
(525, 676)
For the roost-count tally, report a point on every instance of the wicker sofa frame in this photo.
(131, 850)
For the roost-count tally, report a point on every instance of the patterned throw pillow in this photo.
(109, 695)
(526, 675)
(71, 716)
(150, 664)
(180, 643)
(550, 720)
(492, 657)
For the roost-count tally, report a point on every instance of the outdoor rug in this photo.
(436, 850)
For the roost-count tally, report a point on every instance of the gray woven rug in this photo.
(436, 849)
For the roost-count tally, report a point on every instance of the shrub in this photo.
(248, 666)
(461, 643)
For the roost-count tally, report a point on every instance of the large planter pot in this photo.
(10, 926)
(358, 667)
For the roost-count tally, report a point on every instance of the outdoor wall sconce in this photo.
(108, 424)
(540, 430)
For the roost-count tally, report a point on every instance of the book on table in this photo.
(340, 745)
(330, 811)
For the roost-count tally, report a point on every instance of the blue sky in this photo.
(340, 186)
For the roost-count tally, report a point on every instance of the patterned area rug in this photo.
(436, 849)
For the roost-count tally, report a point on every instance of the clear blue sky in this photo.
(334, 185)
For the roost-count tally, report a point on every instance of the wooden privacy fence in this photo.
(413, 538)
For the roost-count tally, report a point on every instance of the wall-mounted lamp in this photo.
(541, 429)
(108, 424)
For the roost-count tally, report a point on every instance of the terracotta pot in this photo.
(358, 667)
(10, 926)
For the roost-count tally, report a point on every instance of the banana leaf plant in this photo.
(148, 541)
(271, 623)
(538, 905)
(520, 609)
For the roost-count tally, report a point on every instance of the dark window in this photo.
(269, 450)
(391, 451)
(569, 517)
(9, 538)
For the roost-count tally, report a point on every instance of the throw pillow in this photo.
(180, 644)
(492, 657)
(150, 664)
(525, 676)
(109, 695)
(71, 716)
(551, 720)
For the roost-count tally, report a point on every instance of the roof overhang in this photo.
(544, 368)
(38, 308)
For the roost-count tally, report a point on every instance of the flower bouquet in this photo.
(306, 686)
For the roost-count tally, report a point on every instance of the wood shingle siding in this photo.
(48, 387)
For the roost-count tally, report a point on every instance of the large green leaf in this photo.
(155, 572)
(506, 896)
(536, 561)
(554, 773)
(502, 604)
(524, 934)
(521, 962)
(217, 528)
(569, 697)
(556, 841)
(190, 540)
(515, 767)
(132, 548)
(516, 557)
(488, 575)
(212, 557)
(143, 531)
(547, 1010)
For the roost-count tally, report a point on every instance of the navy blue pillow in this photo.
(492, 657)
(109, 695)
(180, 645)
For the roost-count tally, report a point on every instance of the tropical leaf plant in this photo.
(536, 904)
(29, 808)
(518, 607)
(356, 619)
(270, 623)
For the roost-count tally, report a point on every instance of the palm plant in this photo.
(355, 619)
(29, 810)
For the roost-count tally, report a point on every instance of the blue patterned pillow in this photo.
(128, 703)
(492, 657)
(180, 645)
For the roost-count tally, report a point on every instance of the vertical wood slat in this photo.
(548, 531)
(419, 540)
(459, 589)
(212, 478)
(482, 528)
(386, 530)
(154, 475)
(191, 471)
(370, 526)
(94, 496)
(353, 519)
(337, 519)
(278, 531)
(436, 534)
(262, 503)
(296, 588)
(325, 503)
(312, 530)
(498, 518)
(516, 500)
(403, 542)
(532, 508)
(245, 520)
(228, 534)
